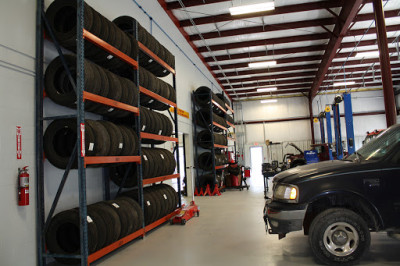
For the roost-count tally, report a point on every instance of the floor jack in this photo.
(187, 212)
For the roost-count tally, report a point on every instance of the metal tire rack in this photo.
(79, 153)
(195, 108)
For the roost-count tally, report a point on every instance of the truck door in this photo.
(391, 190)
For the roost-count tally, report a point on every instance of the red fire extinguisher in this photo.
(23, 186)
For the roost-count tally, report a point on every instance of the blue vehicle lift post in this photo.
(338, 132)
(348, 114)
(329, 130)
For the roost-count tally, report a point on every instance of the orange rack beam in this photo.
(220, 146)
(219, 106)
(109, 48)
(232, 125)
(156, 58)
(221, 166)
(100, 99)
(229, 108)
(159, 179)
(218, 125)
(162, 220)
(104, 251)
(111, 159)
(156, 96)
(145, 135)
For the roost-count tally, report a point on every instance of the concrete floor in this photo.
(230, 231)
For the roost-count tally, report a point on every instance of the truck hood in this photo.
(315, 170)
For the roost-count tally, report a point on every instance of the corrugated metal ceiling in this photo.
(296, 35)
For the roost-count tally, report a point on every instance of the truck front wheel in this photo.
(339, 236)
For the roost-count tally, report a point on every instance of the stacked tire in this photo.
(98, 80)
(159, 200)
(205, 160)
(126, 24)
(107, 222)
(155, 162)
(62, 14)
(150, 122)
(208, 179)
(204, 139)
(102, 138)
(203, 119)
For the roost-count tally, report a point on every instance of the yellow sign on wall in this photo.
(180, 112)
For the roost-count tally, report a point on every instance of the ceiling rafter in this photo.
(346, 16)
(290, 39)
(279, 10)
(190, 3)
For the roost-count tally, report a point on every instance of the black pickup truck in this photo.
(338, 203)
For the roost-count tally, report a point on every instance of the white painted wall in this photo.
(299, 132)
(17, 105)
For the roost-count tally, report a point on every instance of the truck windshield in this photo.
(379, 147)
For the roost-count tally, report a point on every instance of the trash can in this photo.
(247, 172)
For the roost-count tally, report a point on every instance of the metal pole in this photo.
(311, 121)
(81, 133)
(41, 260)
(214, 171)
(329, 130)
(348, 114)
(338, 133)
(177, 146)
(388, 93)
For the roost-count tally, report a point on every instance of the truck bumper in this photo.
(283, 218)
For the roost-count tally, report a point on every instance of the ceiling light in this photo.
(240, 10)
(367, 54)
(267, 89)
(262, 64)
(269, 101)
(346, 83)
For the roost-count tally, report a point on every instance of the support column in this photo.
(388, 93)
(311, 121)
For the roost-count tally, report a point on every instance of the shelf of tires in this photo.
(117, 78)
(211, 123)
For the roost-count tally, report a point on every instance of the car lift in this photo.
(348, 115)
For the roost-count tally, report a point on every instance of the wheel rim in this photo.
(341, 239)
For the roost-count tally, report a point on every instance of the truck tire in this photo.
(339, 236)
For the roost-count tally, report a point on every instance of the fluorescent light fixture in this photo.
(262, 64)
(269, 101)
(267, 89)
(367, 54)
(336, 84)
(240, 10)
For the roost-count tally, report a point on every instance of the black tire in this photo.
(114, 222)
(138, 211)
(100, 225)
(102, 143)
(334, 229)
(116, 138)
(59, 140)
(108, 233)
(171, 197)
(121, 209)
(128, 141)
(117, 174)
(63, 237)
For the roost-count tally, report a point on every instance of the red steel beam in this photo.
(277, 11)
(313, 48)
(284, 26)
(289, 39)
(270, 70)
(388, 92)
(189, 3)
(263, 42)
(346, 16)
(278, 61)
(271, 77)
(265, 28)
(306, 118)
(186, 36)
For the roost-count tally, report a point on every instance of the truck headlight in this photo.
(285, 192)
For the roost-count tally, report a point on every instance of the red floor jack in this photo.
(187, 212)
